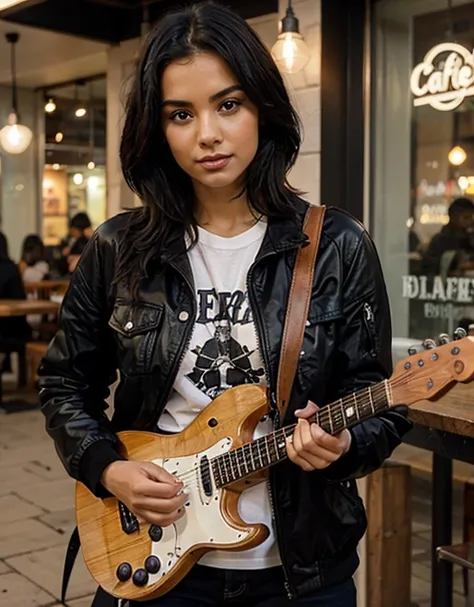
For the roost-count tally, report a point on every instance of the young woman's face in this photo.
(210, 124)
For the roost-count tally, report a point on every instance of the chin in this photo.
(217, 180)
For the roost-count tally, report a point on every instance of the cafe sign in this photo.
(445, 77)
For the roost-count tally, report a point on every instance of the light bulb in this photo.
(91, 165)
(59, 137)
(15, 138)
(50, 106)
(290, 52)
(81, 111)
(56, 166)
(463, 183)
(78, 178)
(457, 156)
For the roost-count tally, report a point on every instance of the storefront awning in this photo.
(110, 21)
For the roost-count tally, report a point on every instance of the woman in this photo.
(208, 140)
(33, 265)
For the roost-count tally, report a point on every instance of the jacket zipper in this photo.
(369, 320)
(276, 417)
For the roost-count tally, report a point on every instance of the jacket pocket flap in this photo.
(134, 320)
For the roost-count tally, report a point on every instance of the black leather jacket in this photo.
(347, 346)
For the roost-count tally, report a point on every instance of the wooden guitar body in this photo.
(114, 542)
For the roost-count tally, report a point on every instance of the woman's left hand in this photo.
(311, 447)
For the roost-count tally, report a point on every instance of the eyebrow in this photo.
(215, 97)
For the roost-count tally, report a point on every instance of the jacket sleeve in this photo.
(363, 358)
(77, 370)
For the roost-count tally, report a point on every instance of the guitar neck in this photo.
(270, 449)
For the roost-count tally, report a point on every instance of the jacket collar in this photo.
(282, 234)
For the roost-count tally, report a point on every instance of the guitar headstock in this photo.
(424, 375)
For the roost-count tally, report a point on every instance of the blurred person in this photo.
(13, 330)
(33, 265)
(452, 247)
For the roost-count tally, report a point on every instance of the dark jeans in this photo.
(210, 587)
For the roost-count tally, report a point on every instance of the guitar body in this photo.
(211, 520)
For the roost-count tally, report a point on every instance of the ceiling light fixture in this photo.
(15, 138)
(50, 106)
(290, 51)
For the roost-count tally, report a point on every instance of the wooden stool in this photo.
(35, 350)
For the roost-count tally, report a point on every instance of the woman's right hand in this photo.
(148, 490)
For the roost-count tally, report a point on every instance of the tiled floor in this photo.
(37, 516)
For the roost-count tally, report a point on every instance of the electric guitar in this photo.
(214, 457)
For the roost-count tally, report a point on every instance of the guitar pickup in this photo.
(205, 471)
(128, 520)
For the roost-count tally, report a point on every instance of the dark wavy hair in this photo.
(147, 162)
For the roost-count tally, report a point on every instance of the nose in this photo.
(210, 132)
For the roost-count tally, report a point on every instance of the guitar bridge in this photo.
(128, 520)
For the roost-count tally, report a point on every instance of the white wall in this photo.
(19, 190)
(304, 88)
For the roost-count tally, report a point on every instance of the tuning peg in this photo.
(412, 351)
(444, 338)
(460, 333)
(429, 344)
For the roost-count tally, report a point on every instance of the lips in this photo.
(218, 161)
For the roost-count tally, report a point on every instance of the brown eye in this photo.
(179, 116)
(230, 105)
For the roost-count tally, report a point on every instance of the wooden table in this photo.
(23, 307)
(446, 428)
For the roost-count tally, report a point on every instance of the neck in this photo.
(268, 450)
(221, 212)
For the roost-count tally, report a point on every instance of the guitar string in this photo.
(324, 414)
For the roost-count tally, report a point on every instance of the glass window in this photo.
(74, 170)
(423, 162)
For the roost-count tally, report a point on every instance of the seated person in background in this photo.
(451, 248)
(33, 265)
(13, 330)
(80, 226)
(76, 252)
(80, 229)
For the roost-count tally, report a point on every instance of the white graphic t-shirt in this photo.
(223, 353)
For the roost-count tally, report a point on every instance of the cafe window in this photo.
(422, 199)
(74, 169)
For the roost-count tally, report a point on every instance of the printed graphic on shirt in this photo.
(222, 361)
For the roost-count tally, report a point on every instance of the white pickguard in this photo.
(203, 522)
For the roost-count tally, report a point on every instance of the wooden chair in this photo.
(462, 555)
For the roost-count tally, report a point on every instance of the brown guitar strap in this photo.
(298, 306)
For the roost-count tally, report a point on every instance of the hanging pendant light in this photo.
(15, 137)
(290, 51)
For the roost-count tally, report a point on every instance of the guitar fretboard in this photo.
(269, 450)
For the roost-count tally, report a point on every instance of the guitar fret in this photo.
(259, 452)
(371, 400)
(356, 406)
(270, 459)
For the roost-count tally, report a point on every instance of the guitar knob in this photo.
(140, 577)
(412, 351)
(461, 333)
(444, 338)
(152, 564)
(124, 572)
(429, 344)
(155, 532)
